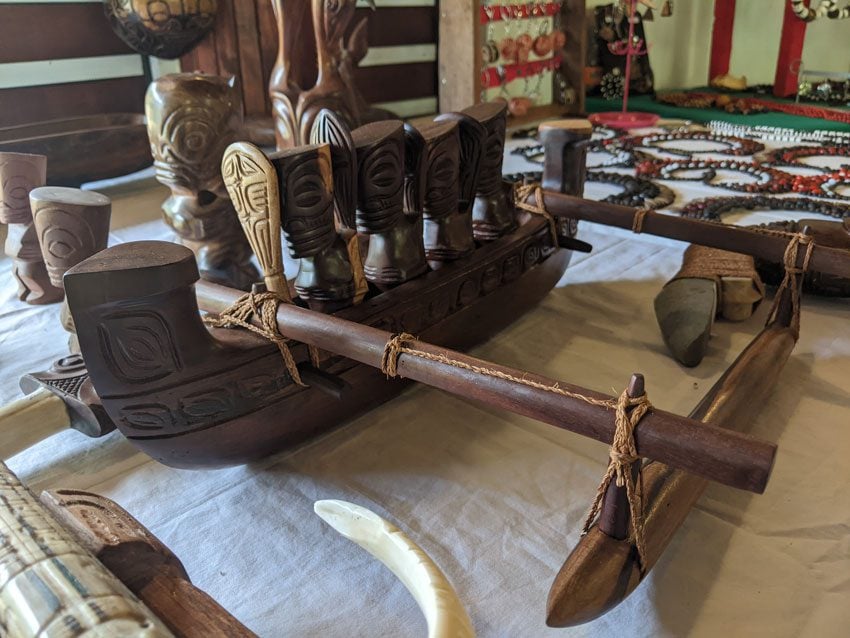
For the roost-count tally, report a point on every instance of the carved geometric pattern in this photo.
(138, 346)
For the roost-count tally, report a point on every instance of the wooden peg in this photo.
(72, 225)
(614, 517)
(192, 118)
(252, 184)
(565, 146)
(19, 174)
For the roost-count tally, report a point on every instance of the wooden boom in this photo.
(603, 568)
(739, 461)
(832, 261)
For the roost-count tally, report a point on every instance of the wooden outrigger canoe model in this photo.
(194, 397)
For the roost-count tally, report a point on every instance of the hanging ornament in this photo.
(544, 42)
(612, 85)
(667, 9)
(508, 48)
(559, 40)
(647, 15)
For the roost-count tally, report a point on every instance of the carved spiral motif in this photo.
(381, 180)
(441, 193)
(190, 137)
(308, 205)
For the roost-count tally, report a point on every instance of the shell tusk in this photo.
(443, 611)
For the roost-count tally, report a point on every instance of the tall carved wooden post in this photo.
(192, 118)
(19, 174)
(325, 278)
(396, 249)
(72, 225)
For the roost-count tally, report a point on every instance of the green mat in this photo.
(771, 118)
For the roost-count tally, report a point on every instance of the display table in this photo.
(498, 500)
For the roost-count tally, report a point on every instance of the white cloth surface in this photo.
(498, 500)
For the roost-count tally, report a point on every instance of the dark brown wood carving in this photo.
(447, 230)
(295, 107)
(565, 148)
(19, 174)
(396, 249)
(72, 225)
(68, 379)
(492, 215)
(161, 28)
(143, 563)
(192, 118)
(325, 279)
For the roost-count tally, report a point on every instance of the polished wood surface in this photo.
(83, 149)
(71, 225)
(729, 458)
(20, 173)
(739, 239)
(603, 569)
(191, 119)
(143, 563)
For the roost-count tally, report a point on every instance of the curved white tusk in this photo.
(432, 591)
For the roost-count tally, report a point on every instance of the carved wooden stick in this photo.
(603, 568)
(72, 225)
(51, 586)
(19, 174)
(726, 457)
(737, 239)
(143, 563)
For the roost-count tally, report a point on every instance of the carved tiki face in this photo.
(19, 174)
(490, 179)
(72, 225)
(192, 118)
(306, 198)
(380, 177)
(443, 164)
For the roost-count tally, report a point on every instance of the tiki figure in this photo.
(396, 249)
(325, 278)
(492, 215)
(19, 174)
(447, 233)
(191, 120)
(72, 225)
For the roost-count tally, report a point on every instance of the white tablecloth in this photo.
(498, 500)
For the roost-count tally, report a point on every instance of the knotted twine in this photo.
(628, 411)
(521, 194)
(262, 305)
(791, 279)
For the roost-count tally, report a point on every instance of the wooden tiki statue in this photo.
(565, 144)
(19, 174)
(72, 225)
(396, 248)
(492, 215)
(447, 233)
(191, 120)
(325, 278)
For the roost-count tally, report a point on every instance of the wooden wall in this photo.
(61, 59)
(399, 72)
